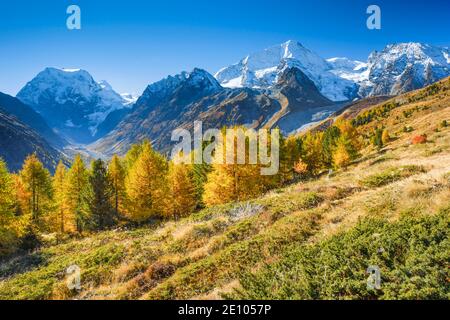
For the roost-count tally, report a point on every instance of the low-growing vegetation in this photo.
(337, 268)
(390, 175)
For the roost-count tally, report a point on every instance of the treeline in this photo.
(381, 112)
(143, 186)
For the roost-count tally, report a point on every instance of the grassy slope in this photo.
(202, 256)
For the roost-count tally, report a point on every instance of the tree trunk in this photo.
(62, 221)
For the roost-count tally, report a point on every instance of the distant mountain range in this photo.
(261, 70)
(404, 67)
(300, 87)
(286, 86)
(395, 70)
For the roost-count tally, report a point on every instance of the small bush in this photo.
(421, 139)
(202, 231)
(390, 175)
(408, 129)
(432, 152)
(159, 271)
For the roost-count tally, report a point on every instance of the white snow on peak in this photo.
(447, 57)
(262, 70)
(201, 77)
(346, 64)
(414, 53)
(69, 124)
(342, 78)
(60, 84)
(77, 88)
(353, 70)
(70, 70)
(130, 98)
(388, 68)
(196, 78)
(105, 85)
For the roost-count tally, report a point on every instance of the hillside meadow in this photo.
(312, 238)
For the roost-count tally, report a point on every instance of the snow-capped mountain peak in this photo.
(197, 78)
(56, 82)
(262, 69)
(71, 100)
(396, 69)
(412, 52)
(403, 67)
(200, 76)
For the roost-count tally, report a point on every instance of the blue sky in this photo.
(135, 42)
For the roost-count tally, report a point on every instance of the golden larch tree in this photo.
(146, 186)
(385, 137)
(59, 185)
(116, 175)
(341, 154)
(231, 182)
(12, 227)
(75, 189)
(183, 200)
(37, 182)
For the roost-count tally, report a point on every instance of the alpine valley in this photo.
(362, 188)
(286, 86)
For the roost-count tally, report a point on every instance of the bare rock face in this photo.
(178, 101)
(17, 141)
(31, 118)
